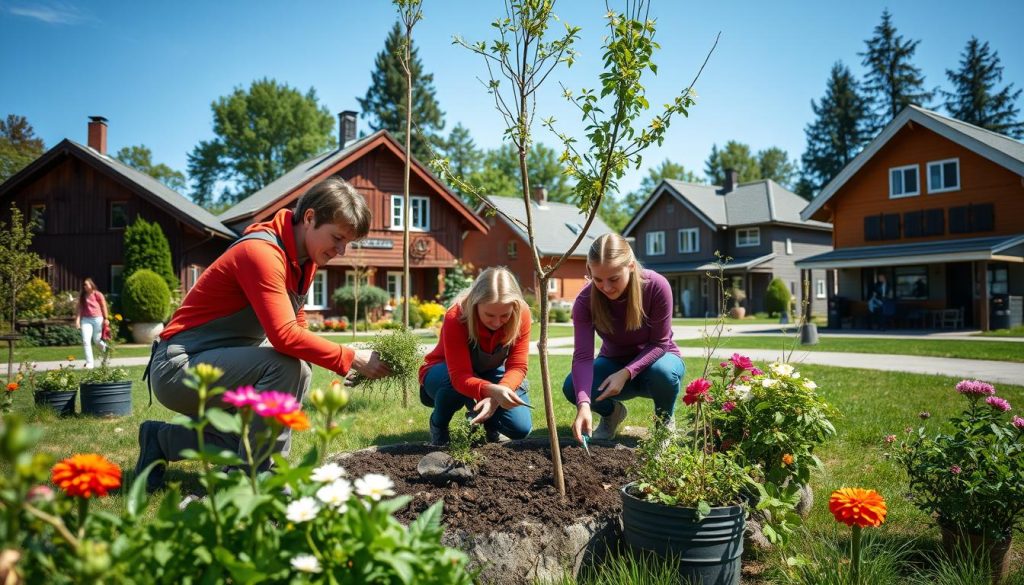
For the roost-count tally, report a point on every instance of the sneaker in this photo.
(149, 451)
(438, 436)
(609, 425)
(495, 436)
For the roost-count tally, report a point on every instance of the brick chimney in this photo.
(98, 134)
(732, 180)
(346, 128)
(539, 194)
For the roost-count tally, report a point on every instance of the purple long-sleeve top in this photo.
(639, 348)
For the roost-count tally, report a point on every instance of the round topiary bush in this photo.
(146, 297)
(371, 298)
(776, 299)
(35, 300)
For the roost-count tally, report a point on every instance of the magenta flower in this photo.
(696, 390)
(955, 470)
(723, 365)
(755, 371)
(728, 406)
(275, 403)
(242, 397)
(975, 388)
(742, 362)
(998, 403)
(1018, 422)
(890, 439)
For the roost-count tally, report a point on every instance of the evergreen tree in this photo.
(773, 163)
(146, 247)
(261, 133)
(140, 158)
(892, 81)
(838, 131)
(384, 103)
(19, 145)
(975, 99)
(734, 155)
(464, 158)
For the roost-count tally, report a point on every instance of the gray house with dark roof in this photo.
(83, 199)
(681, 226)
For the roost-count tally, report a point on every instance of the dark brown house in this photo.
(83, 199)
(375, 166)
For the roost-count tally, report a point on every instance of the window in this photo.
(944, 175)
(971, 218)
(746, 237)
(689, 240)
(512, 249)
(116, 279)
(118, 215)
(911, 282)
(819, 289)
(903, 182)
(419, 208)
(882, 227)
(998, 279)
(316, 298)
(37, 217)
(553, 285)
(395, 288)
(655, 243)
(192, 274)
(350, 278)
(789, 246)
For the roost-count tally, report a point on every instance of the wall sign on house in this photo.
(374, 243)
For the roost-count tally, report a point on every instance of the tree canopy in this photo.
(892, 81)
(140, 158)
(976, 97)
(19, 145)
(260, 134)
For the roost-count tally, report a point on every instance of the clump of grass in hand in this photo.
(462, 436)
(400, 350)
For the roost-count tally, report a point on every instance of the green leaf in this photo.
(136, 499)
(224, 422)
(703, 510)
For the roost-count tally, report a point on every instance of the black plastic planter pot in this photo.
(708, 551)
(61, 402)
(109, 399)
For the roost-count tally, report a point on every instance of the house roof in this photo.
(556, 225)
(755, 203)
(988, 248)
(146, 186)
(745, 263)
(1002, 150)
(325, 164)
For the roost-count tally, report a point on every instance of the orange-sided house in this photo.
(937, 206)
(375, 166)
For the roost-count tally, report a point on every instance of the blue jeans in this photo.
(659, 381)
(515, 423)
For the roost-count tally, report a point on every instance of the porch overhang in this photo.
(995, 249)
(734, 265)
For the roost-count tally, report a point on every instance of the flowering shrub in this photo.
(61, 379)
(302, 523)
(971, 476)
(432, 313)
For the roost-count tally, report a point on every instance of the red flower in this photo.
(856, 506)
(296, 420)
(12, 386)
(86, 475)
(697, 390)
(741, 362)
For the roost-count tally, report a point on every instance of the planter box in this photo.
(61, 402)
(107, 399)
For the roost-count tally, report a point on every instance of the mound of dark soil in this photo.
(514, 483)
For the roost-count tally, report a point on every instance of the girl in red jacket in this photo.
(480, 360)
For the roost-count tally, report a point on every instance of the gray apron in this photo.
(482, 362)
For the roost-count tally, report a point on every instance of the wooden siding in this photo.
(805, 243)
(669, 215)
(981, 181)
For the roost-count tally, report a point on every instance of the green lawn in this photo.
(62, 353)
(696, 321)
(554, 330)
(1008, 351)
(1017, 331)
(873, 404)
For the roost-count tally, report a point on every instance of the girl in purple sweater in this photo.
(631, 310)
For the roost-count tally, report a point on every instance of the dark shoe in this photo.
(438, 436)
(495, 436)
(149, 451)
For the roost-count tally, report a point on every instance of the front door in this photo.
(960, 289)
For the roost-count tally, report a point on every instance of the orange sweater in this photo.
(259, 274)
(453, 349)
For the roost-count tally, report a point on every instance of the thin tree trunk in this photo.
(406, 218)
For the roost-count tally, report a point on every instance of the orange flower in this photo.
(856, 506)
(12, 386)
(296, 420)
(86, 475)
(787, 459)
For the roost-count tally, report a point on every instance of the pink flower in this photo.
(998, 403)
(742, 362)
(890, 439)
(696, 390)
(756, 371)
(724, 365)
(275, 403)
(1018, 422)
(43, 493)
(975, 388)
(955, 470)
(728, 406)
(242, 397)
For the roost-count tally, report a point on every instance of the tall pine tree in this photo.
(892, 81)
(734, 155)
(464, 158)
(838, 132)
(976, 99)
(384, 103)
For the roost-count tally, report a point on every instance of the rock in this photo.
(439, 467)
(753, 537)
(803, 507)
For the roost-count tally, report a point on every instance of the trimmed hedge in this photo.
(146, 297)
(776, 299)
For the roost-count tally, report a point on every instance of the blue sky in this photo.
(153, 68)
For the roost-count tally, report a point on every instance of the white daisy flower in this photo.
(302, 510)
(306, 564)
(769, 382)
(375, 486)
(328, 473)
(741, 391)
(335, 494)
(783, 370)
(810, 385)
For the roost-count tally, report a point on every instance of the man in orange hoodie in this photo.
(244, 315)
